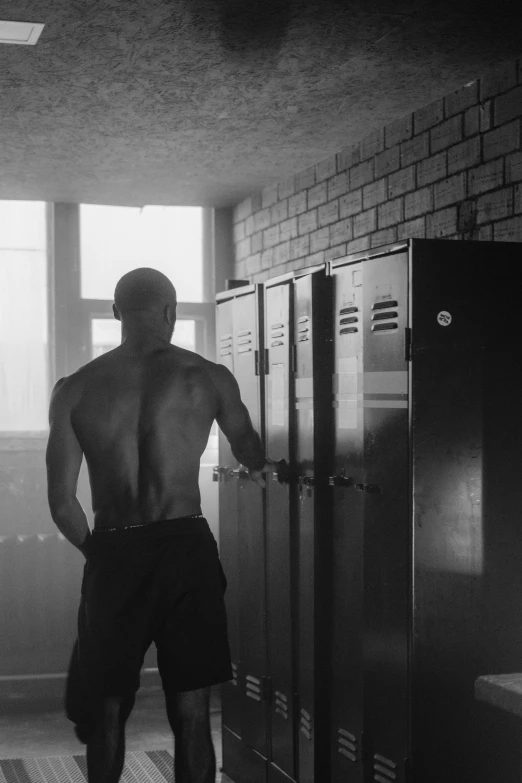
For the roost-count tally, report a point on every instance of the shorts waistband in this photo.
(177, 526)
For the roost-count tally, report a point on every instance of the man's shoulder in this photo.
(71, 385)
(192, 360)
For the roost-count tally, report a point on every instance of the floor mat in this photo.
(154, 766)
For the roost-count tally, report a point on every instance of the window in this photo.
(115, 240)
(24, 361)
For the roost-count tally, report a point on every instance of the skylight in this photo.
(25, 33)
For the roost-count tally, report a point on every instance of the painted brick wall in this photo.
(451, 170)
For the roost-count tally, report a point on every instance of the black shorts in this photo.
(162, 583)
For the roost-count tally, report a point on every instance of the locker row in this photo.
(377, 575)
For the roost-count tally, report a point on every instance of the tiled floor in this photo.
(28, 731)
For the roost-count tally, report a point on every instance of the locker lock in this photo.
(239, 473)
(219, 473)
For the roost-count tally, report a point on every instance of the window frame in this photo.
(68, 314)
(73, 314)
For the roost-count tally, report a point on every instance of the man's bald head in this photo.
(144, 289)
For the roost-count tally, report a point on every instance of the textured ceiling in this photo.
(204, 101)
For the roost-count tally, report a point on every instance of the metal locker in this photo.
(242, 547)
(347, 529)
(466, 365)
(228, 530)
(251, 529)
(387, 533)
(280, 543)
(438, 387)
(313, 434)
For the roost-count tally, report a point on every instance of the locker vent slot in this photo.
(277, 334)
(281, 704)
(384, 316)
(385, 305)
(275, 343)
(384, 770)
(303, 319)
(348, 310)
(352, 320)
(245, 341)
(306, 724)
(225, 352)
(303, 329)
(303, 338)
(277, 326)
(244, 349)
(244, 332)
(253, 688)
(235, 679)
(347, 744)
(225, 338)
(348, 330)
(384, 327)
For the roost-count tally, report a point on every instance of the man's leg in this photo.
(106, 746)
(189, 717)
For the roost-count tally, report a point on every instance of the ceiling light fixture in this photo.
(25, 33)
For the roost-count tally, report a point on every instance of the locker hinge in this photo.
(293, 358)
(266, 688)
(266, 367)
(256, 362)
(407, 344)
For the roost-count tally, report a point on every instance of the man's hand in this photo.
(257, 475)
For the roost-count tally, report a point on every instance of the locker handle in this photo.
(239, 473)
(341, 481)
(219, 473)
(372, 489)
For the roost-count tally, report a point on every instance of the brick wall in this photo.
(451, 170)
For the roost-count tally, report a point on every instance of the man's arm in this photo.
(234, 420)
(64, 459)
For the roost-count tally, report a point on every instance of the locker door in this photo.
(348, 529)
(313, 431)
(386, 514)
(228, 531)
(280, 557)
(251, 534)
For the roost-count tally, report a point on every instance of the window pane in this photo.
(106, 335)
(185, 335)
(22, 225)
(23, 317)
(115, 240)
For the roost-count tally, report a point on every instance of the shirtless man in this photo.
(141, 414)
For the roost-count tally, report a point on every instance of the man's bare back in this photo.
(143, 421)
(142, 417)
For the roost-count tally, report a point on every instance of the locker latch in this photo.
(307, 482)
(219, 473)
(372, 489)
(340, 481)
(239, 473)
